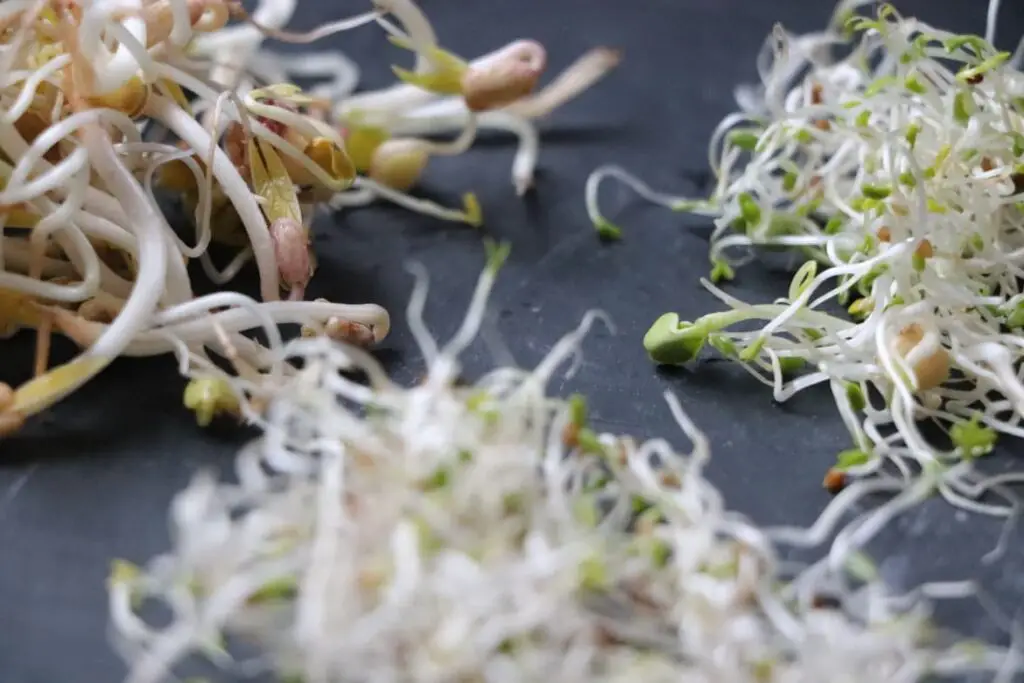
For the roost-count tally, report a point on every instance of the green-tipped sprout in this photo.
(496, 253)
(721, 270)
(802, 279)
(855, 395)
(963, 106)
(973, 439)
(578, 409)
(972, 74)
(671, 342)
(607, 230)
(853, 457)
(749, 209)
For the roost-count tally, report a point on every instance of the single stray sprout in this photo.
(905, 210)
(408, 533)
(104, 106)
(672, 342)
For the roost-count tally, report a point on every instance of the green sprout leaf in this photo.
(878, 85)
(745, 139)
(1015, 319)
(915, 85)
(851, 458)
(790, 365)
(721, 270)
(875, 191)
(789, 181)
(593, 574)
(753, 351)
(802, 279)
(977, 44)
(973, 439)
(913, 130)
(1018, 144)
(723, 345)
(855, 396)
(589, 442)
(578, 409)
(834, 225)
(496, 254)
(607, 230)
(971, 74)
(472, 214)
(670, 341)
(749, 209)
(275, 591)
(444, 79)
(963, 107)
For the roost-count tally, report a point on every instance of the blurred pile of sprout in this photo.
(487, 531)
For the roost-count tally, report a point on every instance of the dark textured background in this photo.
(93, 479)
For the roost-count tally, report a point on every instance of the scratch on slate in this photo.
(554, 252)
(16, 488)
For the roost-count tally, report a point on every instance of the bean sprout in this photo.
(108, 105)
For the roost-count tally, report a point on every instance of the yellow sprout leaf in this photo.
(122, 571)
(270, 180)
(444, 79)
(331, 158)
(48, 15)
(287, 92)
(21, 219)
(327, 155)
(129, 99)
(17, 309)
(208, 397)
(474, 215)
(437, 83)
(42, 392)
(362, 141)
(272, 591)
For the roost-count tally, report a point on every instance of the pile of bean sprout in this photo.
(106, 105)
(486, 532)
(890, 154)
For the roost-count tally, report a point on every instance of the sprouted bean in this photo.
(105, 104)
(908, 209)
(488, 531)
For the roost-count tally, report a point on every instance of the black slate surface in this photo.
(93, 479)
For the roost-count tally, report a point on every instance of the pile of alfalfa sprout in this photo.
(108, 105)
(486, 532)
(889, 154)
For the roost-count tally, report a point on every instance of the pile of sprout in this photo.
(106, 105)
(486, 532)
(890, 155)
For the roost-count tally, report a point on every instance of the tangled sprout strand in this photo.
(448, 532)
(104, 104)
(890, 154)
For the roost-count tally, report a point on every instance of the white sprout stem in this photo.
(152, 256)
(111, 71)
(233, 186)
